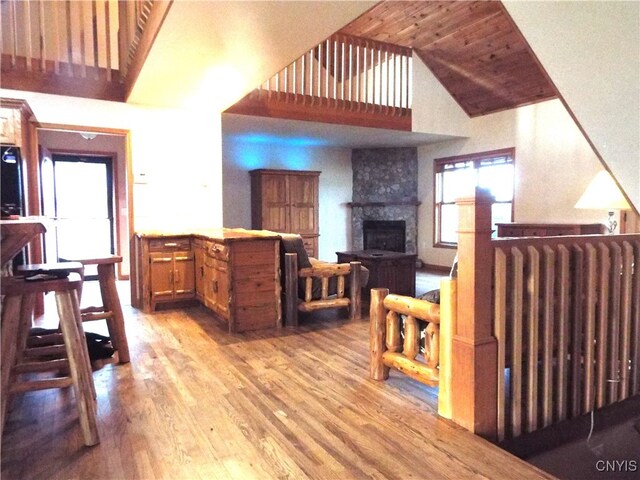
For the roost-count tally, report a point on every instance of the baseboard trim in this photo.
(435, 268)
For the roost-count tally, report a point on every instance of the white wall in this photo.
(553, 163)
(178, 151)
(433, 109)
(591, 50)
(242, 153)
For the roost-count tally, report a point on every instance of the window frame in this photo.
(476, 159)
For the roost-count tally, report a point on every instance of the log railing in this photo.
(88, 39)
(411, 336)
(567, 321)
(347, 73)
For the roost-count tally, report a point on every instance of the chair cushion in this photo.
(432, 296)
(292, 243)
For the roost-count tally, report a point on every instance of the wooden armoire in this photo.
(286, 201)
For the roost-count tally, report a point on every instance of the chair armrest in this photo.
(322, 269)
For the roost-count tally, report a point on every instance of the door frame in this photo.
(122, 199)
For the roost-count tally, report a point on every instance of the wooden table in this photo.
(393, 270)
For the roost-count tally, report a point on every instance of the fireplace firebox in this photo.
(387, 235)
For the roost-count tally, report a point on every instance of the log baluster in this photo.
(432, 345)
(626, 302)
(411, 337)
(377, 334)
(393, 332)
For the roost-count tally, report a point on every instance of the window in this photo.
(456, 177)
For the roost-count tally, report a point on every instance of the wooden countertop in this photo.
(217, 234)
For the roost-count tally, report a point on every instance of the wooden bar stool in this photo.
(111, 310)
(18, 358)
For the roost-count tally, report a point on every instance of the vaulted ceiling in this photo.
(472, 47)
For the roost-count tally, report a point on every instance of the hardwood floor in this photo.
(198, 403)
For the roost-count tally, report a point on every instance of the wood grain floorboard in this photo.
(199, 403)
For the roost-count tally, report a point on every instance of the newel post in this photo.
(474, 348)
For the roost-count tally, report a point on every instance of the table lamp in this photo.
(603, 193)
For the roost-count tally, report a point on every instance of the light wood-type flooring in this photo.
(198, 403)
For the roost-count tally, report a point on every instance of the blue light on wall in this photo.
(276, 140)
(259, 150)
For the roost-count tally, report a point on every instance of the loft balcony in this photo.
(92, 49)
(345, 80)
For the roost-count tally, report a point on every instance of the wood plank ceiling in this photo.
(472, 47)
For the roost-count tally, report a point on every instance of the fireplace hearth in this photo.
(387, 235)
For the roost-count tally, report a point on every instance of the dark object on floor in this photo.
(99, 346)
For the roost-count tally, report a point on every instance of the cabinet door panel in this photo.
(199, 271)
(208, 281)
(303, 199)
(184, 275)
(275, 203)
(221, 285)
(161, 273)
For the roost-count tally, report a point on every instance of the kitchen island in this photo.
(233, 272)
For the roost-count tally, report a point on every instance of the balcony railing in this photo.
(347, 72)
(344, 80)
(70, 40)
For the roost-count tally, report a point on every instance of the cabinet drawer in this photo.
(169, 243)
(219, 251)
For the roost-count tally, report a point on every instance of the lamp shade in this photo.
(602, 194)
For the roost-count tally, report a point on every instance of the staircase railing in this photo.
(348, 73)
(567, 320)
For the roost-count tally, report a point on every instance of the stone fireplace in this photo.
(385, 190)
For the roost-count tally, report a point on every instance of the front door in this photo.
(82, 202)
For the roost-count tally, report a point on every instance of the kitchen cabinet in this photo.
(171, 271)
(234, 273)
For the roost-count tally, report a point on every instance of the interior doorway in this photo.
(91, 183)
(78, 196)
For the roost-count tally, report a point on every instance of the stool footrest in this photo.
(42, 340)
(57, 350)
(88, 317)
(91, 309)
(48, 366)
(30, 386)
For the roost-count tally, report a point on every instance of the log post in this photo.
(448, 295)
(377, 334)
(291, 289)
(355, 292)
(474, 348)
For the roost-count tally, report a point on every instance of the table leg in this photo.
(10, 325)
